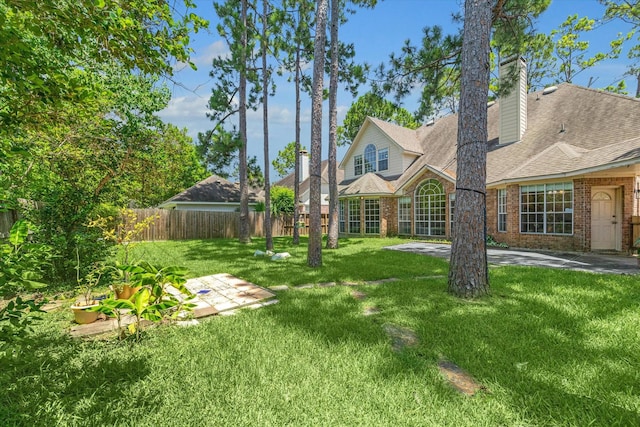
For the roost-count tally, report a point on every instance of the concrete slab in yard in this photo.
(213, 295)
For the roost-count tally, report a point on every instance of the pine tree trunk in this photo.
(265, 127)
(468, 274)
(296, 184)
(332, 235)
(245, 229)
(314, 253)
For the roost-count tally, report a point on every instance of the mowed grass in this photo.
(550, 347)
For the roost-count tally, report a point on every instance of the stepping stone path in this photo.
(459, 379)
(401, 337)
(368, 311)
(358, 295)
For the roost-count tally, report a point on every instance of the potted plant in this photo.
(82, 308)
(151, 301)
(122, 287)
(83, 311)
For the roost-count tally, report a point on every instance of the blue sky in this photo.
(375, 33)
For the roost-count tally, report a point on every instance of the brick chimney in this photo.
(513, 105)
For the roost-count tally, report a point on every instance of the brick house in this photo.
(563, 172)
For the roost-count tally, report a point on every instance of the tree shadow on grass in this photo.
(545, 341)
(329, 314)
(56, 380)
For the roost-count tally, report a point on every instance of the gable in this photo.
(399, 143)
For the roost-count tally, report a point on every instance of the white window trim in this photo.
(410, 201)
(386, 149)
(544, 224)
(502, 203)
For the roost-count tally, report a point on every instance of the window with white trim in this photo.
(546, 208)
(372, 216)
(452, 210)
(430, 209)
(383, 159)
(357, 165)
(370, 158)
(404, 215)
(342, 226)
(502, 210)
(354, 216)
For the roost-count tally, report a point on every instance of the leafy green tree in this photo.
(51, 50)
(285, 162)
(111, 149)
(627, 11)
(218, 150)
(371, 104)
(434, 65)
(571, 51)
(167, 167)
(255, 176)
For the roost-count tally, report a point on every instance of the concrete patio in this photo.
(215, 294)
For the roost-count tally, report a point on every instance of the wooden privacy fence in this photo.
(184, 225)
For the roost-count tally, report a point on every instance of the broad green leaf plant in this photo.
(21, 269)
(153, 301)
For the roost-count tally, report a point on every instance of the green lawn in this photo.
(552, 347)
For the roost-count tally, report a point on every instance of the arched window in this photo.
(430, 206)
(370, 158)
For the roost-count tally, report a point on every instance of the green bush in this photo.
(282, 201)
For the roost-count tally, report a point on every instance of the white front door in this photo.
(604, 223)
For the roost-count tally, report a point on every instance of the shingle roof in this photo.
(289, 180)
(571, 130)
(369, 184)
(404, 137)
(215, 190)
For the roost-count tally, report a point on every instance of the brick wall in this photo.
(388, 216)
(581, 238)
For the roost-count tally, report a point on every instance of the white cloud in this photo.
(216, 49)
(184, 106)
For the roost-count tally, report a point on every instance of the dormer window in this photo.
(383, 159)
(370, 158)
(357, 165)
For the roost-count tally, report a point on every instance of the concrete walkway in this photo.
(580, 261)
